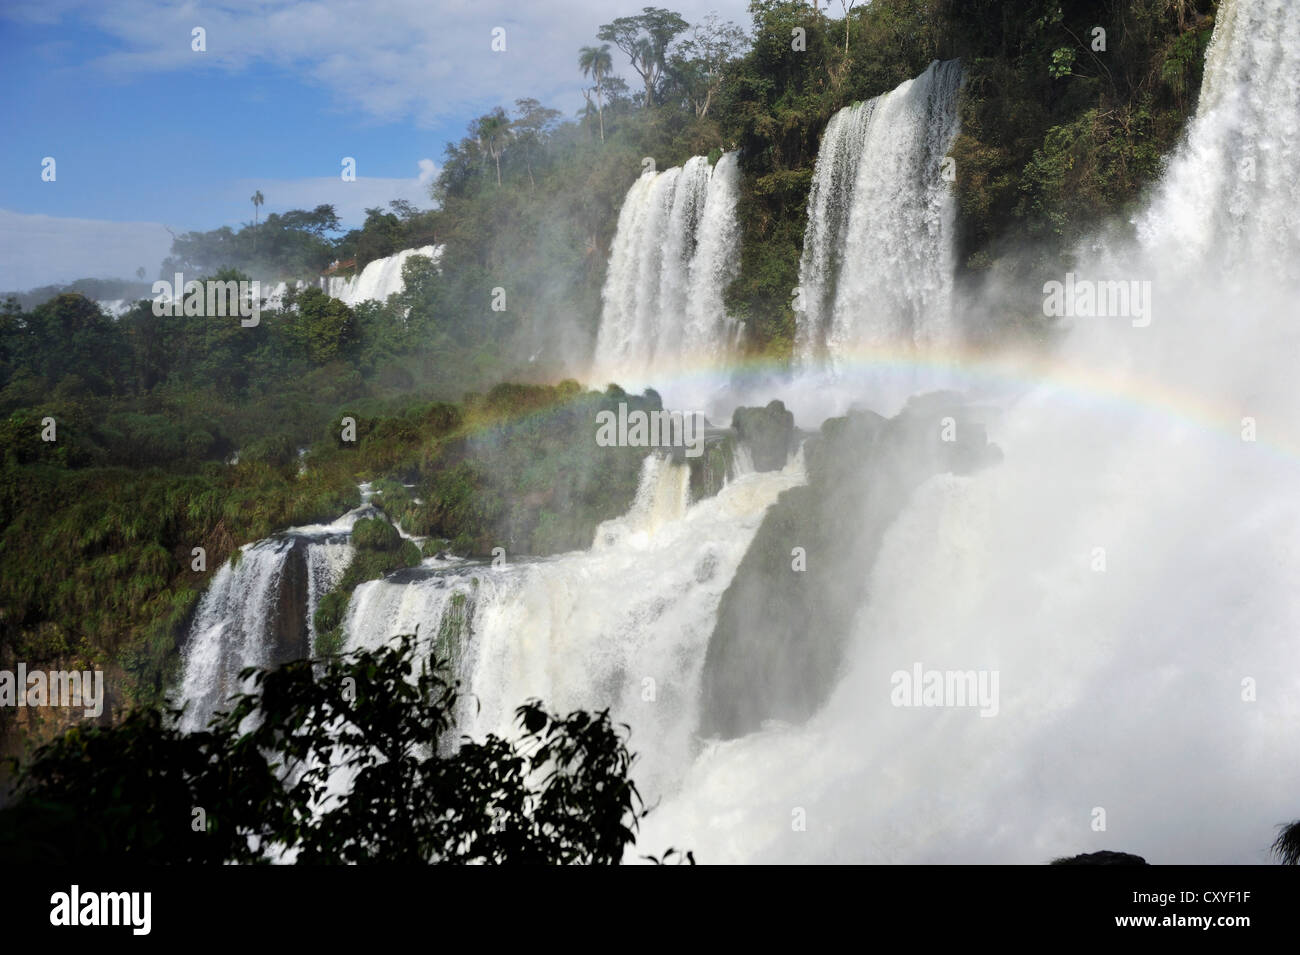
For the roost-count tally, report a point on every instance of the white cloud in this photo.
(40, 250)
(394, 60)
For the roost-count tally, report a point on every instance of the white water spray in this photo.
(624, 625)
(240, 619)
(674, 252)
(1128, 571)
(877, 266)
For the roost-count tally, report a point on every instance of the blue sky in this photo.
(148, 134)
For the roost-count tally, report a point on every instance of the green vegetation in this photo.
(97, 565)
(1045, 153)
(557, 794)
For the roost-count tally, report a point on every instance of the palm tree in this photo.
(493, 132)
(257, 201)
(594, 61)
(1287, 845)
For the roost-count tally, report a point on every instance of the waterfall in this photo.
(436, 603)
(273, 293)
(1232, 192)
(1127, 572)
(878, 261)
(258, 611)
(115, 308)
(674, 252)
(662, 497)
(714, 264)
(742, 462)
(233, 628)
(378, 280)
(624, 624)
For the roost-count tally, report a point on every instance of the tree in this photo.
(69, 335)
(324, 327)
(379, 237)
(595, 61)
(317, 222)
(701, 61)
(493, 133)
(847, 7)
(382, 720)
(531, 127)
(1287, 845)
(645, 39)
(257, 201)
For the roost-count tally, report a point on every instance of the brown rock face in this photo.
(289, 635)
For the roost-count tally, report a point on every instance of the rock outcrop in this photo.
(783, 623)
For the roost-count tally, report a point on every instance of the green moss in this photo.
(375, 534)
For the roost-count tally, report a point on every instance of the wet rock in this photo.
(784, 621)
(767, 432)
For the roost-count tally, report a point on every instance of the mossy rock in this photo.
(375, 534)
(767, 432)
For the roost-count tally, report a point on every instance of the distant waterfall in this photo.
(378, 280)
(675, 251)
(877, 265)
(274, 293)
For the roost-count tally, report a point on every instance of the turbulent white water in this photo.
(1232, 196)
(273, 294)
(115, 308)
(378, 280)
(623, 625)
(877, 265)
(1122, 669)
(235, 623)
(674, 252)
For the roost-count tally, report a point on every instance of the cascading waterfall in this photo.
(624, 624)
(1232, 194)
(877, 266)
(274, 293)
(1128, 571)
(712, 333)
(378, 280)
(674, 252)
(258, 611)
(232, 628)
(115, 308)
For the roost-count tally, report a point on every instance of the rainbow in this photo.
(984, 372)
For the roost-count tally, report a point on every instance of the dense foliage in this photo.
(253, 786)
